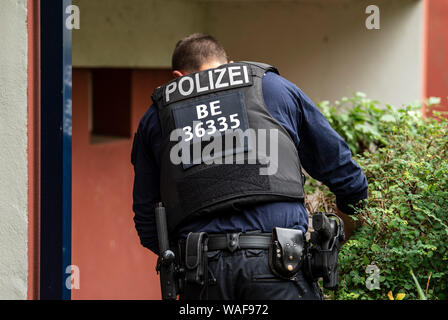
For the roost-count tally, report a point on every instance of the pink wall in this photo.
(33, 27)
(435, 64)
(105, 245)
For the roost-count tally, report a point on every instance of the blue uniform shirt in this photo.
(323, 154)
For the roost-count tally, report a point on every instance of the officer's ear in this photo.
(178, 74)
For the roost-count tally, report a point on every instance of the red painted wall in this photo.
(105, 245)
(435, 73)
(33, 28)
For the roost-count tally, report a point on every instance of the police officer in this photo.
(222, 213)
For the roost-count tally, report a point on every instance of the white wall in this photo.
(133, 33)
(324, 47)
(321, 45)
(13, 149)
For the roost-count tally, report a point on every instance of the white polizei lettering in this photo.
(201, 111)
(218, 83)
(181, 89)
(233, 74)
(198, 84)
(170, 89)
(235, 79)
(210, 78)
(246, 74)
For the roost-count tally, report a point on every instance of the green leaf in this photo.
(431, 101)
(421, 294)
(404, 223)
(387, 118)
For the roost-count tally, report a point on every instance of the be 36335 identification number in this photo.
(219, 122)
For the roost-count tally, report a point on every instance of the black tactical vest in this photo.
(201, 173)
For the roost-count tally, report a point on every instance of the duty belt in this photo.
(193, 256)
(235, 241)
(285, 248)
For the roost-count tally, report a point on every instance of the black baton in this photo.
(165, 263)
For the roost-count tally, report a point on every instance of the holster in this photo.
(196, 257)
(321, 258)
(323, 263)
(286, 252)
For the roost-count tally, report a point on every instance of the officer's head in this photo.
(197, 52)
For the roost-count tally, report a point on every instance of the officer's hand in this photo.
(349, 224)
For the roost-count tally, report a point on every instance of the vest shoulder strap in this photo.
(157, 95)
(260, 68)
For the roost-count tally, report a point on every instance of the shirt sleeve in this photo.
(146, 192)
(322, 151)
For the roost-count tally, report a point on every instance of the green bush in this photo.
(404, 226)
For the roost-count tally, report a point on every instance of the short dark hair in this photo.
(195, 50)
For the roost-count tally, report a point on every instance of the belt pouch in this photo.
(286, 252)
(196, 257)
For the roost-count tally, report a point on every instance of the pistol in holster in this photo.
(321, 259)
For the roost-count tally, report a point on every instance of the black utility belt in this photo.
(286, 250)
(235, 241)
(289, 253)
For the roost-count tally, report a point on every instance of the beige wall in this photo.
(321, 45)
(13, 146)
(324, 46)
(133, 33)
